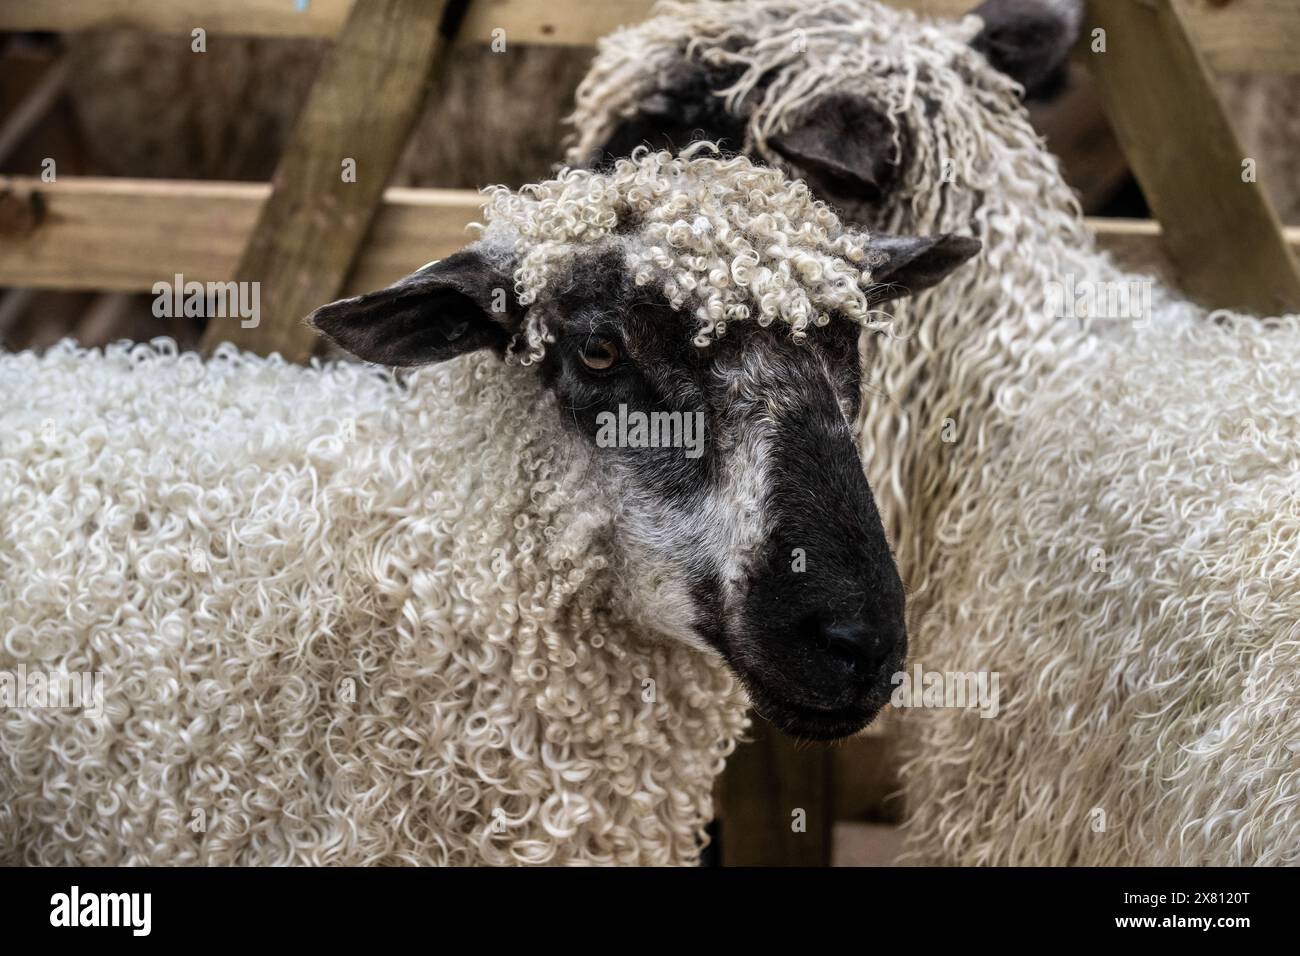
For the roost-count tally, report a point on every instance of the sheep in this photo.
(1092, 484)
(338, 616)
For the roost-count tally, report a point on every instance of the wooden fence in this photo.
(124, 235)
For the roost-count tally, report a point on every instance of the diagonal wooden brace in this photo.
(357, 118)
(1222, 235)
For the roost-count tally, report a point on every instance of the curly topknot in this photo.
(727, 238)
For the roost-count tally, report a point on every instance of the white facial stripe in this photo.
(724, 532)
(733, 515)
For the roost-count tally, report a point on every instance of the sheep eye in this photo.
(599, 354)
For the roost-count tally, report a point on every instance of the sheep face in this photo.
(741, 521)
(744, 523)
(840, 94)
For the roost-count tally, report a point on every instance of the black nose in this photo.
(865, 649)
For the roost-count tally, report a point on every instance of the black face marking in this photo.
(682, 111)
(706, 591)
(1030, 41)
(843, 147)
(659, 371)
(662, 370)
(832, 621)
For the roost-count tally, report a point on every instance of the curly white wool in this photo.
(719, 236)
(1103, 512)
(1103, 532)
(339, 622)
(1131, 569)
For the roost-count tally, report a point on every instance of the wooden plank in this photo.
(573, 23)
(1222, 236)
(126, 234)
(330, 180)
(771, 784)
(246, 17)
(559, 22)
(1252, 35)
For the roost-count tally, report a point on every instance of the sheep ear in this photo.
(1030, 40)
(916, 263)
(843, 148)
(447, 308)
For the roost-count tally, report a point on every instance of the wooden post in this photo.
(357, 119)
(1222, 235)
(774, 802)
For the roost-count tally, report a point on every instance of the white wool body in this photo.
(1103, 511)
(343, 621)
(1101, 508)
(338, 621)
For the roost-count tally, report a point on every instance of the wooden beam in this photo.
(1253, 35)
(774, 803)
(572, 23)
(126, 234)
(322, 18)
(1221, 233)
(330, 181)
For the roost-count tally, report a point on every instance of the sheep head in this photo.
(694, 326)
(841, 93)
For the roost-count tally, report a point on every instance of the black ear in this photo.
(460, 304)
(1030, 40)
(844, 149)
(916, 263)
